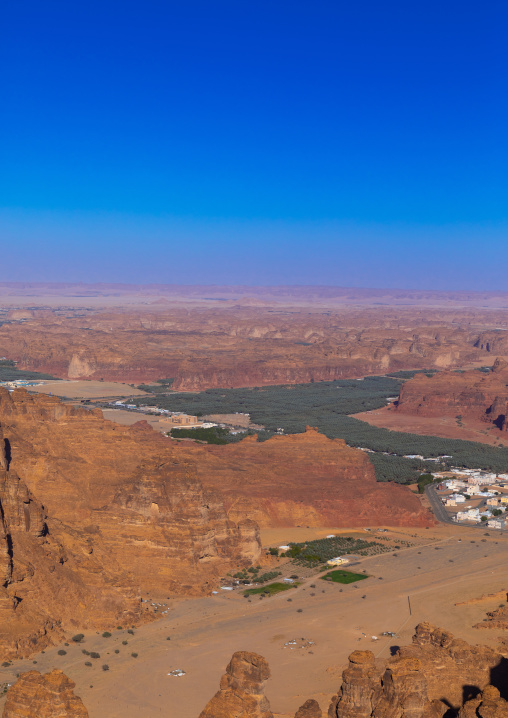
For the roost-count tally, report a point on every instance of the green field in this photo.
(312, 553)
(340, 576)
(271, 589)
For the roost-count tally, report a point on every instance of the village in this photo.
(473, 497)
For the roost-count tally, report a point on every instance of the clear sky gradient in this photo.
(327, 142)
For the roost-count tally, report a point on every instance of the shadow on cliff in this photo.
(498, 678)
(7, 453)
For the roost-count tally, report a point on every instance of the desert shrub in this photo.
(106, 634)
(129, 630)
(105, 667)
(78, 637)
(134, 655)
(61, 652)
(94, 654)
(88, 663)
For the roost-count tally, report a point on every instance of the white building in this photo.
(469, 515)
(496, 523)
(338, 561)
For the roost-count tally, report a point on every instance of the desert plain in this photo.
(445, 567)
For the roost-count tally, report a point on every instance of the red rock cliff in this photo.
(122, 515)
(470, 394)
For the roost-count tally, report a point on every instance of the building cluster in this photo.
(18, 383)
(172, 419)
(478, 496)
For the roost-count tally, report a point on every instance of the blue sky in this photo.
(356, 144)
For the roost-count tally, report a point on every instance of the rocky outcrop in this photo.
(436, 675)
(470, 394)
(438, 672)
(241, 693)
(487, 704)
(304, 480)
(310, 709)
(43, 696)
(101, 515)
(497, 619)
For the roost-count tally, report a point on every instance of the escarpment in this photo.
(471, 394)
(304, 479)
(240, 345)
(99, 515)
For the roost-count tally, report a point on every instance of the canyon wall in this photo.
(241, 345)
(100, 515)
(472, 394)
(304, 480)
(95, 514)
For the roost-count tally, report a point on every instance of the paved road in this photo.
(441, 513)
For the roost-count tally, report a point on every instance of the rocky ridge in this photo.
(96, 514)
(240, 345)
(304, 479)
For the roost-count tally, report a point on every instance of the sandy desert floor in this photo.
(438, 572)
(86, 389)
(445, 426)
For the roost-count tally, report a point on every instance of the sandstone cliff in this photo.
(471, 394)
(240, 345)
(43, 696)
(99, 515)
(437, 675)
(304, 480)
(241, 693)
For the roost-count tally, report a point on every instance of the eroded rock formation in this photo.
(304, 480)
(99, 516)
(241, 693)
(43, 696)
(472, 394)
(310, 709)
(246, 343)
(437, 675)
(497, 618)
(487, 704)
(438, 672)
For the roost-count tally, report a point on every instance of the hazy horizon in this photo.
(346, 145)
